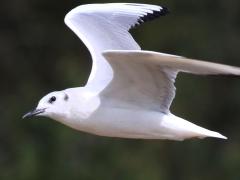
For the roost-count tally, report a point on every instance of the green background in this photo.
(39, 54)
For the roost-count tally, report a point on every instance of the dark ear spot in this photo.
(66, 97)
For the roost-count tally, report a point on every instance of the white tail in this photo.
(207, 133)
(184, 129)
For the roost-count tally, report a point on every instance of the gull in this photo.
(129, 90)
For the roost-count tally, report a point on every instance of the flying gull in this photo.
(129, 91)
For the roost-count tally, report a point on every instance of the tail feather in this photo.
(208, 133)
(185, 130)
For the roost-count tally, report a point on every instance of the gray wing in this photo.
(145, 79)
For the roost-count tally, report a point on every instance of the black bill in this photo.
(33, 113)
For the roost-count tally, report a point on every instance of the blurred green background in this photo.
(39, 54)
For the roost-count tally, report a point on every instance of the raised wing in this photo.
(145, 79)
(105, 27)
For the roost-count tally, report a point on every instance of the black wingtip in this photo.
(164, 11)
(151, 16)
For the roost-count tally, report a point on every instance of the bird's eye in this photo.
(52, 99)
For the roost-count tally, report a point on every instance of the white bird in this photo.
(129, 91)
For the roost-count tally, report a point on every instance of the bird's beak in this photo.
(34, 113)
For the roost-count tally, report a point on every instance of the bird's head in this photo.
(52, 105)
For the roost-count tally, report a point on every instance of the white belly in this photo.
(136, 123)
(128, 123)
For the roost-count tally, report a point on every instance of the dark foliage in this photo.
(39, 54)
